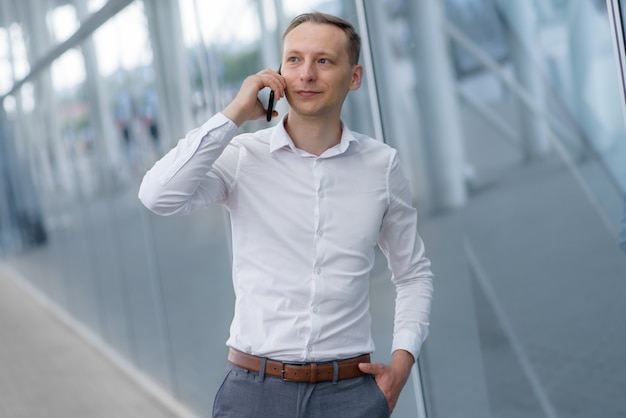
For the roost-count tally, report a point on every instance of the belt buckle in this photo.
(289, 363)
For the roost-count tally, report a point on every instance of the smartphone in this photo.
(270, 106)
(270, 103)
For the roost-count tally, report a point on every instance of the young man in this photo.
(309, 201)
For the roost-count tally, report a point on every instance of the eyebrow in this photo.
(318, 53)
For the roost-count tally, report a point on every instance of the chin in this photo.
(305, 112)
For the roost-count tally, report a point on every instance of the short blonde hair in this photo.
(354, 40)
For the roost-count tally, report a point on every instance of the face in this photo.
(317, 70)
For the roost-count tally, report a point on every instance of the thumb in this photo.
(371, 368)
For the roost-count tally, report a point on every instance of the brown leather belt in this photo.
(300, 372)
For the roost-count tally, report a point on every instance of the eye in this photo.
(292, 59)
(323, 61)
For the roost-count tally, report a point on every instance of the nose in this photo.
(307, 71)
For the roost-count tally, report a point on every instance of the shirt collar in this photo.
(281, 139)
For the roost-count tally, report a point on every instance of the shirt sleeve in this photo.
(400, 242)
(197, 172)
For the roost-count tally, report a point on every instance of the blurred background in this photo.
(508, 118)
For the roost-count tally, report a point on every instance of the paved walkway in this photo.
(48, 371)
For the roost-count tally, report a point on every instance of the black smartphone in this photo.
(270, 104)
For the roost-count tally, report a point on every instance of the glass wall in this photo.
(507, 119)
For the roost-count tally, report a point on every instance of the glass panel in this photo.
(542, 213)
(543, 143)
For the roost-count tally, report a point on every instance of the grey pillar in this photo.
(6, 236)
(45, 135)
(281, 20)
(439, 116)
(522, 18)
(396, 94)
(593, 84)
(170, 64)
(8, 239)
(270, 43)
(7, 9)
(109, 151)
(208, 72)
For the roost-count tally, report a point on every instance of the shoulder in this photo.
(374, 148)
(253, 140)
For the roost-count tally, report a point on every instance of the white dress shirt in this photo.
(304, 232)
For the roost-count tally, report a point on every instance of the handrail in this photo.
(416, 378)
(554, 127)
(491, 117)
(492, 65)
(484, 282)
(559, 127)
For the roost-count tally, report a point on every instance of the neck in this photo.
(312, 135)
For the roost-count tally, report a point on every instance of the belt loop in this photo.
(313, 371)
(335, 372)
(262, 370)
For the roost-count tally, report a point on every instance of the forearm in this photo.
(402, 361)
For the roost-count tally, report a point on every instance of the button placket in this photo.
(318, 251)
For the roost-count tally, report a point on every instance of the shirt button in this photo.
(320, 193)
(309, 349)
(318, 270)
(320, 232)
(314, 309)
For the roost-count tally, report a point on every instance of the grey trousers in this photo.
(246, 394)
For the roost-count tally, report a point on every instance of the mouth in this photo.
(307, 93)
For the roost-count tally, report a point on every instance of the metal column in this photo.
(108, 144)
(398, 105)
(592, 87)
(45, 138)
(170, 64)
(271, 44)
(522, 19)
(438, 106)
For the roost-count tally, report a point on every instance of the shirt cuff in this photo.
(408, 341)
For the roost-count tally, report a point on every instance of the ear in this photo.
(357, 76)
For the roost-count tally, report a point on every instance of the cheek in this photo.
(290, 80)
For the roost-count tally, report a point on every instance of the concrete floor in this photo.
(49, 371)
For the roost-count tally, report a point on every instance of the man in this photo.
(309, 200)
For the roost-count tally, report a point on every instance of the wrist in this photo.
(234, 114)
(402, 360)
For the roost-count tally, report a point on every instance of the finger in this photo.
(372, 368)
(272, 78)
(275, 81)
(260, 110)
